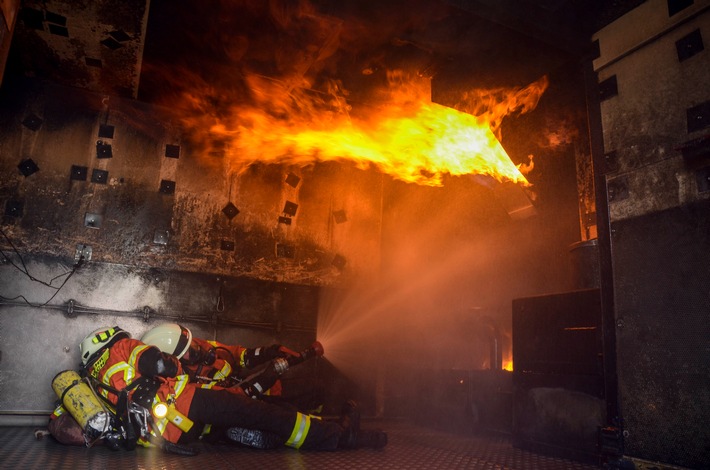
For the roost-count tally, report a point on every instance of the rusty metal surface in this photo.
(410, 447)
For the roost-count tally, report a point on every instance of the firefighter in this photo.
(134, 371)
(214, 363)
(211, 363)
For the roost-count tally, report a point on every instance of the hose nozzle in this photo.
(316, 350)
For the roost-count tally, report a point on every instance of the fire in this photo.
(403, 134)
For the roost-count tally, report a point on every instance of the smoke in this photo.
(445, 288)
(497, 103)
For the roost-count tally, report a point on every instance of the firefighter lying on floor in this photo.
(253, 372)
(152, 402)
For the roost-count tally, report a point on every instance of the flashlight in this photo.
(164, 410)
(160, 410)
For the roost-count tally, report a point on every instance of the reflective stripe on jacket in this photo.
(118, 368)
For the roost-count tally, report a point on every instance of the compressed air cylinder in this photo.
(82, 403)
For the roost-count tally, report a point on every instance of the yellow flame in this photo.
(418, 149)
(405, 136)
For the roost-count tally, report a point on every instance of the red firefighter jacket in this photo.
(118, 367)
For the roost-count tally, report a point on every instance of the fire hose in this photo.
(256, 384)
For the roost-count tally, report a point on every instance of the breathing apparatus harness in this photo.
(201, 358)
(131, 416)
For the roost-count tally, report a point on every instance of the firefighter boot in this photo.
(350, 422)
(355, 438)
(374, 439)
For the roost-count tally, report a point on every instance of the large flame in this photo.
(403, 134)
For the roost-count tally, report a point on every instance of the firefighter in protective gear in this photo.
(170, 338)
(113, 358)
(214, 363)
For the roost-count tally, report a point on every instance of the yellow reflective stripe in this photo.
(180, 383)
(126, 367)
(161, 424)
(300, 431)
(116, 368)
(241, 358)
(224, 372)
(103, 336)
(59, 410)
(134, 354)
(129, 372)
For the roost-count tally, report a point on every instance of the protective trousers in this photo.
(222, 408)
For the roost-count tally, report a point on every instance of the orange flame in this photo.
(405, 135)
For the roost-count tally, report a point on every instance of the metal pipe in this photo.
(72, 309)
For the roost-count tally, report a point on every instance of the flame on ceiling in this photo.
(275, 83)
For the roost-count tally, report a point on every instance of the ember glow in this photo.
(403, 134)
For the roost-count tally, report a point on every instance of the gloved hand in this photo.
(259, 384)
(154, 363)
(167, 365)
(196, 355)
(258, 356)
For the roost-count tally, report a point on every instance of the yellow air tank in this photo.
(82, 403)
